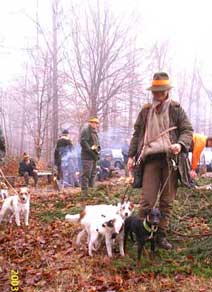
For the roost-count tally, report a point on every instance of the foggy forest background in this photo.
(89, 61)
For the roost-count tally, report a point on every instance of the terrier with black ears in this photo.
(143, 229)
(15, 205)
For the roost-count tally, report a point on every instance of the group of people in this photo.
(162, 138)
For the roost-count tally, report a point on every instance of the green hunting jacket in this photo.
(88, 138)
(182, 135)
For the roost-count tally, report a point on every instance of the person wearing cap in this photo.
(27, 168)
(90, 149)
(159, 147)
(199, 142)
(62, 157)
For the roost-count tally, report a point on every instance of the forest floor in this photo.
(47, 260)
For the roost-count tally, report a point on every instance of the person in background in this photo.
(162, 137)
(65, 160)
(105, 171)
(2, 147)
(27, 168)
(90, 149)
(199, 142)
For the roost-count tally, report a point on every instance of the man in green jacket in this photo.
(89, 142)
(162, 137)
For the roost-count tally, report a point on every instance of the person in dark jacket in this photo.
(27, 168)
(105, 171)
(90, 149)
(161, 141)
(64, 157)
(2, 147)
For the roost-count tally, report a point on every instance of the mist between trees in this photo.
(90, 62)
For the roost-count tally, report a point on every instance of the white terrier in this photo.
(15, 205)
(124, 208)
(106, 220)
(108, 226)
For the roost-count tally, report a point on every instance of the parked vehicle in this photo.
(116, 157)
(205, 159)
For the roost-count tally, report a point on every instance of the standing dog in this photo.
(94, 215)
(143, 229)
(107, 226)
(15, 205)
(124, 209)
(106, 220)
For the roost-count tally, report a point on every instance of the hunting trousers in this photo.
(88, 174)
(159, 175)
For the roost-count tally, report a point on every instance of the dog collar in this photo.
(151, 230)
(146, 226)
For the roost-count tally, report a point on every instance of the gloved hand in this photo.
(95, 148)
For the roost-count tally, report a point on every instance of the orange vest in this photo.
(199, 142)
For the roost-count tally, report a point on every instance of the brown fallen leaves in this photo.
(48, 260)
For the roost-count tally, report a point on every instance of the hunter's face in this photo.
(94, 125)
(160, 95)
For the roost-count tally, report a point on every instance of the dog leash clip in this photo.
(173, 164)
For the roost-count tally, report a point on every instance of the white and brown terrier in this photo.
(106, 220)
(106, 226)
(3, 191)
(16, 205)
(124, 208)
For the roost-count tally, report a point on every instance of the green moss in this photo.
(49, 216)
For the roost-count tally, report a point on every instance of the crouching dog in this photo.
(144, 230)
(16, 205)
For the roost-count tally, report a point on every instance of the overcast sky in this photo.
(185, 23)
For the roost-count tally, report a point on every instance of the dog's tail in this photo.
(72, 218)
(76, 217)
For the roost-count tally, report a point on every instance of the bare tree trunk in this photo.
(130, 121)
(105, 118)
(55, 119)
(132, 61)
(197, 104)
(23, 121)
(190, 97)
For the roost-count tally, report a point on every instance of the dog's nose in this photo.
(126, 214)
(156, 222)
